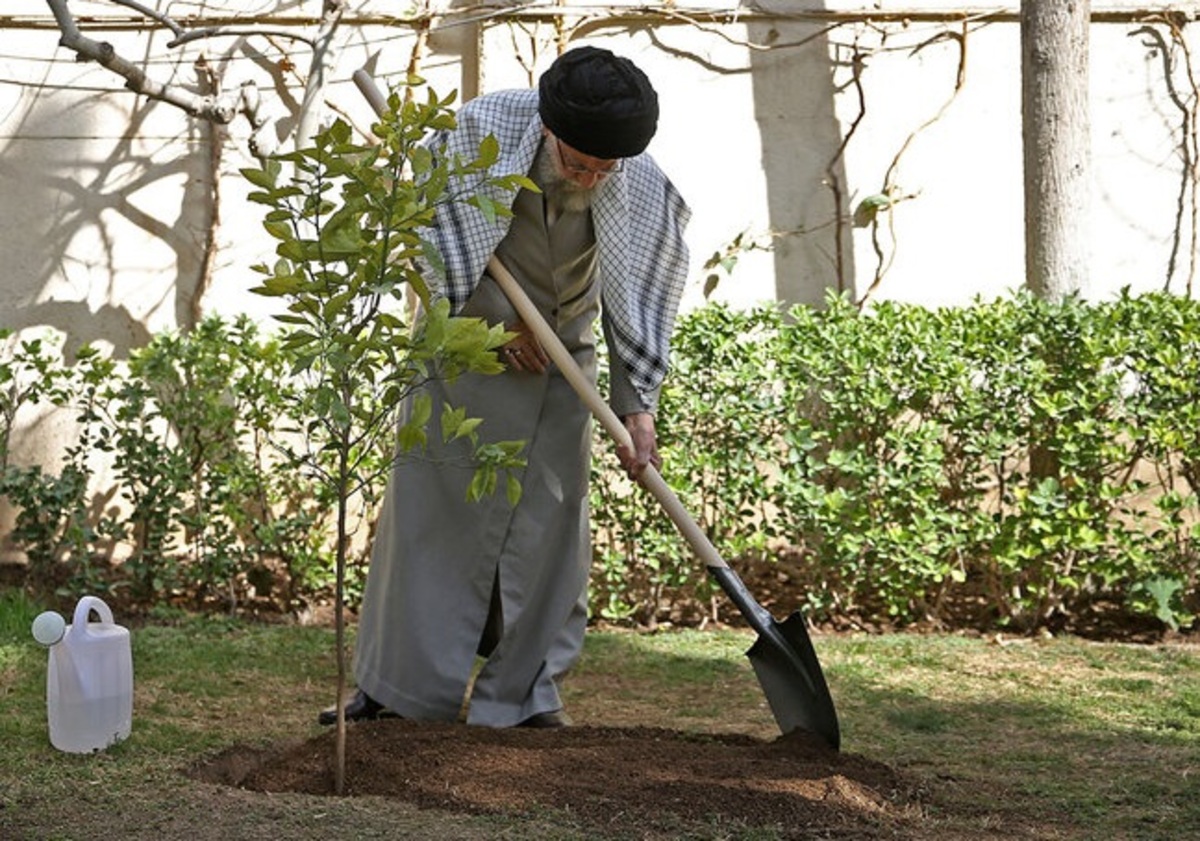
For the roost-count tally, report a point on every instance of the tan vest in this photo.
(553, 256)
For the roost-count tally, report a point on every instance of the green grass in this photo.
(1056, 738)
(1102, 738)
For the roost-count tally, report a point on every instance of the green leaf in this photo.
(1162, 590)
(467, 428)
(277, 285)
(279, 230)
(489, 150)
(483, 483)
(260, 178)
(422, 409)
(411, 437)
(869, 208)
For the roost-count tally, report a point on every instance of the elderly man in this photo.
(451, 580)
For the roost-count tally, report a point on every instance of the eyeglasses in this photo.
(580, 171)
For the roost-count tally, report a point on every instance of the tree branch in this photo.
(322, 63)
(218, 109)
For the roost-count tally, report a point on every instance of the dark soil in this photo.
(636, 782)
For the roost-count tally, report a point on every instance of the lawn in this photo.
(998, 737)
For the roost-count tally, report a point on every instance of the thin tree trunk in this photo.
(339, 616)
(1055, 130)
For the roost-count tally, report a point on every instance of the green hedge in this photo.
(193, 498)
(1029, 461)
(1035, 460)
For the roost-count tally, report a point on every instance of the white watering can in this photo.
(89, 682)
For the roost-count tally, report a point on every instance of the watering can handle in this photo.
(83, 610)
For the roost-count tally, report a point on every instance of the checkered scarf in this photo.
(638, 215)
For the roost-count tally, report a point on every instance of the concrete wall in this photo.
(121, 216)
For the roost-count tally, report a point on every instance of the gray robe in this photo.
(437, 557)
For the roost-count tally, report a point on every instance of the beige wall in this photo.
(120, 216)
(109, 199)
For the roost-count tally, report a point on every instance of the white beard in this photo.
(565, 195)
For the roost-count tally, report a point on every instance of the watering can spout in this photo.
(49, 628)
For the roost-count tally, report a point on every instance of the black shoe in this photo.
(554, 718)
(362, 707)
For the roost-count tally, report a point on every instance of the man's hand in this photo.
(525, 352)
(645, 445)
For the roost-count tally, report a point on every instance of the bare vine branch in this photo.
(890, 189)
(239, 32)
(184, 36)
(148, 12)
(1189, 144)
(212, 81)
(857, 65)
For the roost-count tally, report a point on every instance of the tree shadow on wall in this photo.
(82, 184)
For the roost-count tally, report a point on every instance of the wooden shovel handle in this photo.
(650, 478)
(365, 83)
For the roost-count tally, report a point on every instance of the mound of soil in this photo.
(647, 782)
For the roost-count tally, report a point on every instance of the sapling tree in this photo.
(348, 219)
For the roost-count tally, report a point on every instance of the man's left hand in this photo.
(645, 445)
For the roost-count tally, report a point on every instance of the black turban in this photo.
(598, 103)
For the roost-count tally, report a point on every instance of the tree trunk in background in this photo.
(1055, 130)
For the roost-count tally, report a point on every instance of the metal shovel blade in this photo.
(786, 664)
(791, 678)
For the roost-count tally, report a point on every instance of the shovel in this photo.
(783, 655)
